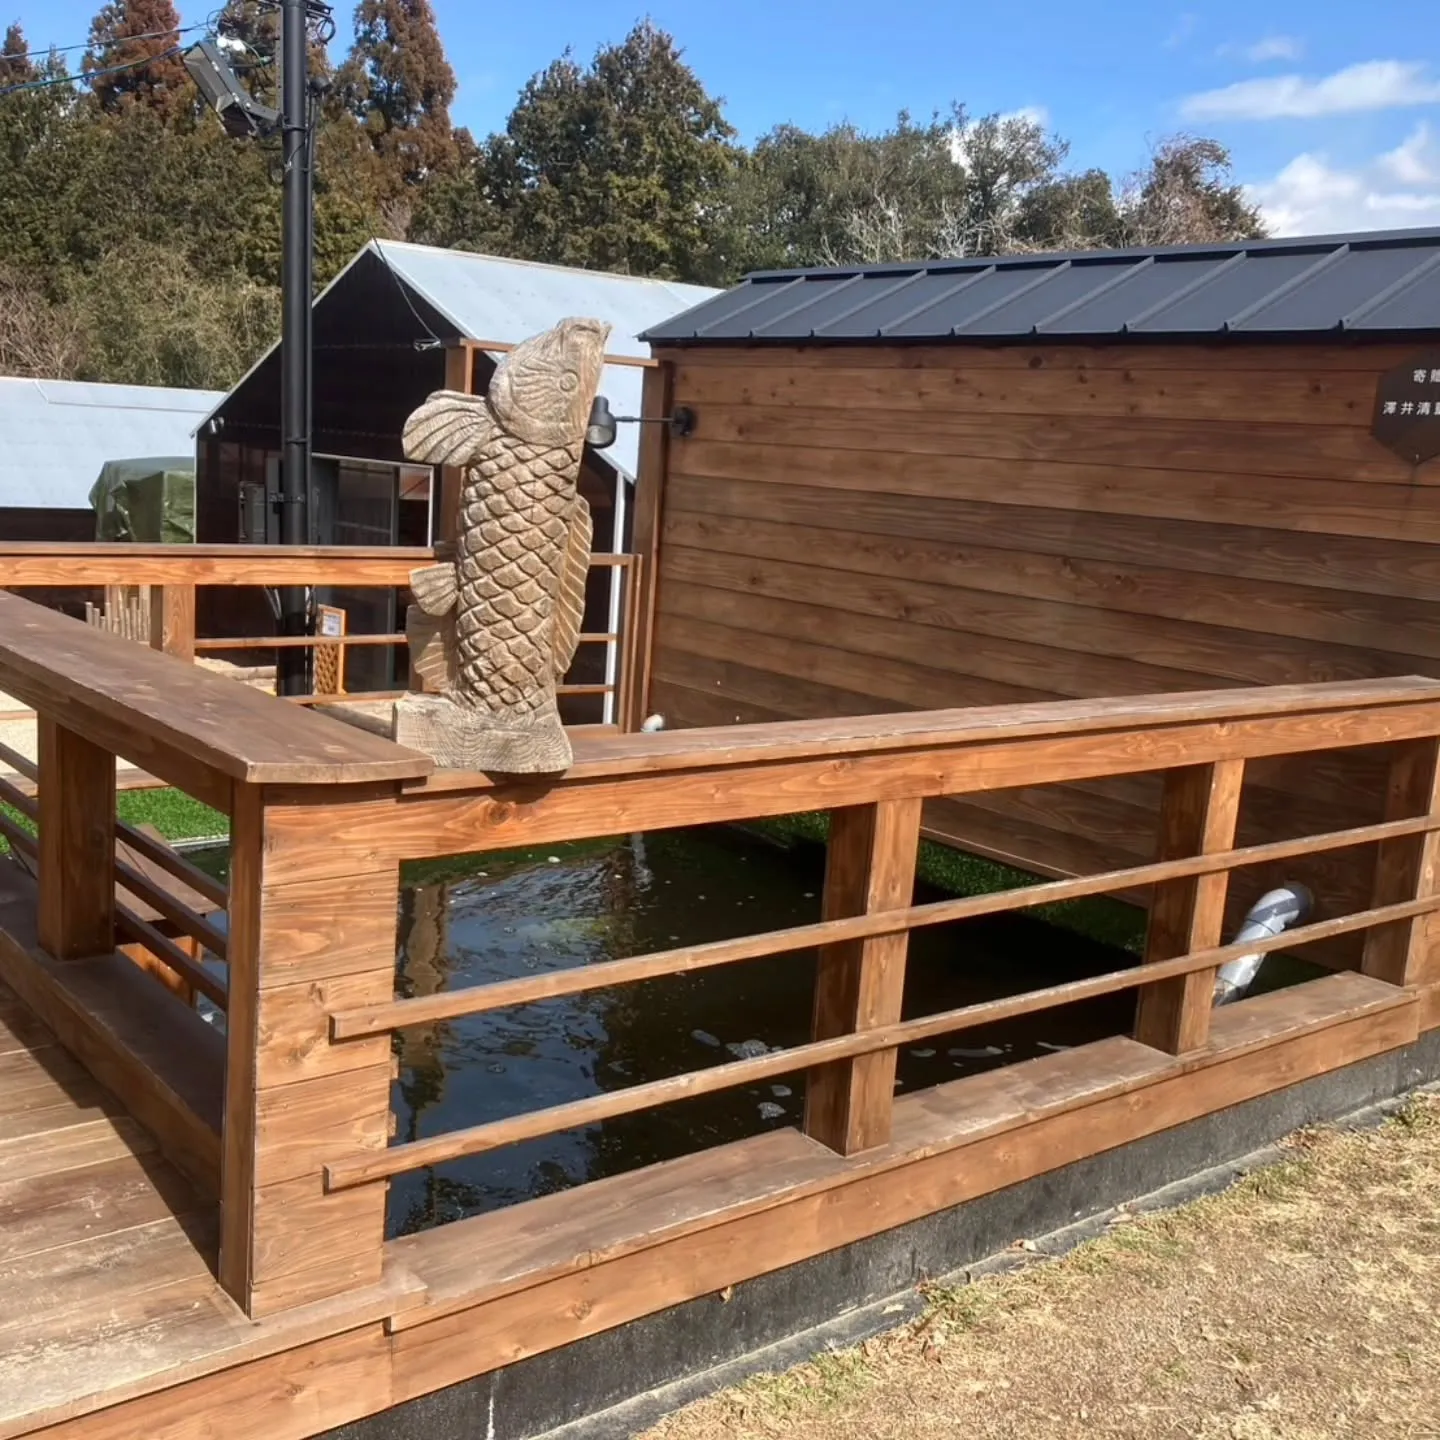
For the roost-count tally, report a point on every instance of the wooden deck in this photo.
(107, 1251)
(192, 1223)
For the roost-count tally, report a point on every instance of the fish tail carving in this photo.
(435, 588)
(432, 647)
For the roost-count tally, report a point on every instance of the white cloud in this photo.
(1311, 196)
(1372, 85)
(1273, 47)
(1416, 160)
(1035, 114)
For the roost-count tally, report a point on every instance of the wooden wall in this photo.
(863, 529)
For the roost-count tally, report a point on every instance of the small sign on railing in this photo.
(330, 659)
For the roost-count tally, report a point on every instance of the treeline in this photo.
(139, 243)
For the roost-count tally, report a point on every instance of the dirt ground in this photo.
(1303, 1303)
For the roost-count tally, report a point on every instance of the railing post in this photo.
(172, 620)
(859, 984)
(295, 1101)
(445, 498)
(1198, 812)
(1403, 952)
(76, 845)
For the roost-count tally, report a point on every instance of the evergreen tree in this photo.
(399, 85)
(16, 67)
(38, 130)
(625, 165)
(155, 74)
(948, 186)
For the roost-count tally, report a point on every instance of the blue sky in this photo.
(1332, 110)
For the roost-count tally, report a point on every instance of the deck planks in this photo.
(107, 1252)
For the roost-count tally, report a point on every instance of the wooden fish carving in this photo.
(495, 630)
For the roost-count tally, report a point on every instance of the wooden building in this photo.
(977, 482)
(398, 323)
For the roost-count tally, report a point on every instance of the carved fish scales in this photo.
(495, 630)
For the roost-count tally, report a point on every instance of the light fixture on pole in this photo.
(601, 429)
(243, 117)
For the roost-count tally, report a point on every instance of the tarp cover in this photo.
(146, 500)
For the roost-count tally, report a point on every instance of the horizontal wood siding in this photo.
(857, 530)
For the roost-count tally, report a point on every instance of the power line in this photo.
(89, 78)
(119, 40)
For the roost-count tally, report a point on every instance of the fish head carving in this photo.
(542, 390)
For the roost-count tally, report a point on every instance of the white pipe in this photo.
(618, 579)
(1272, 913)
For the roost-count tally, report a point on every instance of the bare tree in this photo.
(38, 339)
(1187, 197)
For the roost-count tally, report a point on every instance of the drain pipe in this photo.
(1272, 913)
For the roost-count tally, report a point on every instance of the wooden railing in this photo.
(154, 904)
(171, 574)
(322, 816)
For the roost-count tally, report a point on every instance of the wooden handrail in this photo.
(177, 913)
(37, 565)
(40, 565)
(304, 642)
(503, 994)
(477, 1139)
(138, 704)
(734, 747)
(18, 836)
(14, 796)
(20, 764)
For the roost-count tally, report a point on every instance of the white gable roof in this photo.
(487, 297)
(55, 435)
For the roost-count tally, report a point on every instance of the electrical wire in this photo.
(89, 77)
(323, 14)
(119, 39)
(432, 340)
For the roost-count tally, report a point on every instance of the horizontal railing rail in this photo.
(553, 1120)
(174, 572)
(603, 975)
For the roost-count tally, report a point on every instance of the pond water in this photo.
(487, 918)
(527, 913)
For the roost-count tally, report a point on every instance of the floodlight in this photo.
(240, 113)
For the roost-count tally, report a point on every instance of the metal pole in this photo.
(292, 665)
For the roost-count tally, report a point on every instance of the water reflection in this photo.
(581, 904)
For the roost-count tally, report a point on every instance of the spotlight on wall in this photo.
(600, 432)
(243, 117)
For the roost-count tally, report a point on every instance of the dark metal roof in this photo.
(1381, 283)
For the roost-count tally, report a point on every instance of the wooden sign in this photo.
(330, 659)
(1407, 409)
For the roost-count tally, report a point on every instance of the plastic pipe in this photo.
(1272, 913)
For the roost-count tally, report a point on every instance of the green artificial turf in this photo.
(173, 813)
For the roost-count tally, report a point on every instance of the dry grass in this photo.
(1303, 1303)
